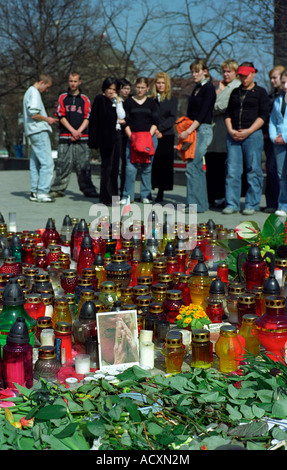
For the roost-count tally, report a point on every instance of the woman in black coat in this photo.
(104, 135)
(162, 169)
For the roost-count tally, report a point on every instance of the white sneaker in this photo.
(44, 198)
(123, 201)
(33, 197)
(280, 213)
(146, 201)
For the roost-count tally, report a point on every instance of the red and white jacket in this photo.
(75, 108)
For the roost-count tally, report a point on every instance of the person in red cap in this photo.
(247, 111)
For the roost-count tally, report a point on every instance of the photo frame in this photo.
(118, 339)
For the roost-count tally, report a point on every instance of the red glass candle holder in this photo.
(215, 311)
(272, 328)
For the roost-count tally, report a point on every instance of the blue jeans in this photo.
(248, 151)
(280, 152)
(195, 175)
(131, 173)
(41, 163)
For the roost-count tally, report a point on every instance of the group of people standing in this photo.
(134, 132)
(131, 132)
(231, 125)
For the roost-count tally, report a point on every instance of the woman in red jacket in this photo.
(141, 116)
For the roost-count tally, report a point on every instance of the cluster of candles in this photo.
(58, 282)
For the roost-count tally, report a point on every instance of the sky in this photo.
(262, 59)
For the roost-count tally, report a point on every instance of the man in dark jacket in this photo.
(247, 111)
(73, 110)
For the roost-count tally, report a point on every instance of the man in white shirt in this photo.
(37, 127)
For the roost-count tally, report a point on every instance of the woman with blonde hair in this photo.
(216, 155)
(162, 169)
(200, 111)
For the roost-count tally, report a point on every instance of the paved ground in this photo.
(14, 197)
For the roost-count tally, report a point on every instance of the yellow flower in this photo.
(187, 320)
(179, 317)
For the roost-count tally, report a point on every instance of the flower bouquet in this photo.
(192, 317)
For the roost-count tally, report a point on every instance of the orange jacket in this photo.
(185, 147)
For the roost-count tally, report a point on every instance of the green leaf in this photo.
(23, 390)
(258, 412)
(68, 431)
(51, 412)
(233, 391)
(115, 412)
(279, 409)
(246, 411)
(154, 429)
(96, 428)
(212, 443)
(234, 414)
(265, 396)
(250, 430)
(273, 226)
(88, 405)
(76, 442)
(55, 444)
(126, 440)
(27, 443)
(245, 393)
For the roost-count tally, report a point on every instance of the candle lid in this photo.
(144, 280)
(228, 330)
(140, 290)
(173, 339)
(184, 277)
(18, 333)
(108, 286)
(34, 298)
(41, 277)
(246, 299)
(56, 264)
(159, 288)
(88, 272)
(126, 290)
(69, 273)
(44, 322)
(249, 318)
(47, 298)
(127, 243)
(143, 300)
(174, 294)
(87, 294)
(197, 254)
(129, 307)
(274, 301)
(236, 288)
(13, 293)
(159, 264)
(156, 308)
(47, 352)
(200, 269)
(63, 327)
(54, 248)
(85, 282)
(217, 286)
(165, 277)
(200, 335)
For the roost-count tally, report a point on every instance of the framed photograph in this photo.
(118, 338)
